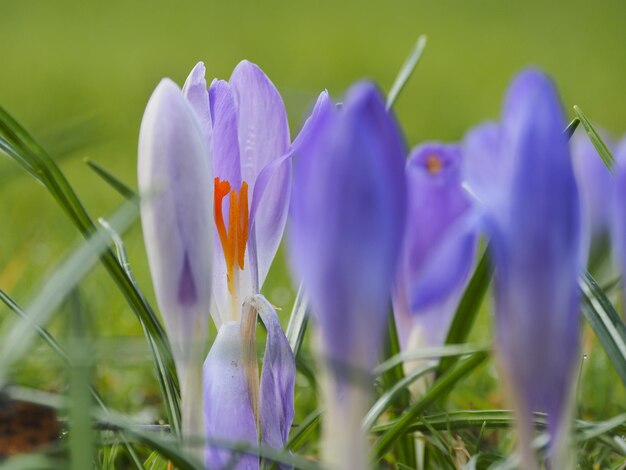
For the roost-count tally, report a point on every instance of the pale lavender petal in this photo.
(227, 411)
(277, 381)
(618, 209)
(596, 187)
(226, 162)
(322, 106)
(485, 173)
(263, 138)
(176, 214)
(195, 92)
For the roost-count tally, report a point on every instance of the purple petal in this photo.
(227, 411)
(596, 184)
(618, 208)
(176, 214)
(266, 175)
(536, 252)
(485, 173)
(440, 239)
(348, 217)
(226, 162)
(277, 381)
(196, 94)
(263, 138)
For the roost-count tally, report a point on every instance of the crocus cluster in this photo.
(372, 226)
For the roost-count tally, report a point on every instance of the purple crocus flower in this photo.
(439, 246)
(174, 169)
(346, 232)
(596, 188)
(245, 124)
(532, 215)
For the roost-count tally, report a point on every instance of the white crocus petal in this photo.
(176, 213)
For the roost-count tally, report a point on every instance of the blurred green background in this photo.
(82, 71)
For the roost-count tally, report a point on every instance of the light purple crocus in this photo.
(439, 246)
(245, 124)
(532, 215)
(596, 188)
(347, 224)
(174, 174)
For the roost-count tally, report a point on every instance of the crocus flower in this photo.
(596, 188)
(532, 215)
(174, 171)
(439, 246)
(348, 219)
(245, 124)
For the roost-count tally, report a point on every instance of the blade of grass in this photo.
(391, 394)
(406, 71)
(440, 388)
(112, 180)
(468, 309)
(596, 140)
(39, 164)
(167, 385)
(451, 350)
(605, 322)
(81, 436)
(571, 128)
(298, 438)
(298, 322)
(405, 448)
(17, 337)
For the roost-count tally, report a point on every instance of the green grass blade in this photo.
(304, 430)
(468, 309)
(452, 350)
(439, 390)
(571, 128)
(17, 337)
(605, 322)
(81, 435)
(49, 174)
(391, 377)
(42, 332)
(298, 322)
(596, 140)
(112, 180)
(167, 382)
(406, 71)
(391, 394)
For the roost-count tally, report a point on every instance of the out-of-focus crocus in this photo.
(618, 210)
(439, 246)
(596, 188)
(174, 178)
(348, 220)
(533, 217)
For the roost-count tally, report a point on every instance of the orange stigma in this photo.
(234, 239)
(434, 164)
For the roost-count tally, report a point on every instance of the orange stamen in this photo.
(434, 164)
(235, 239)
